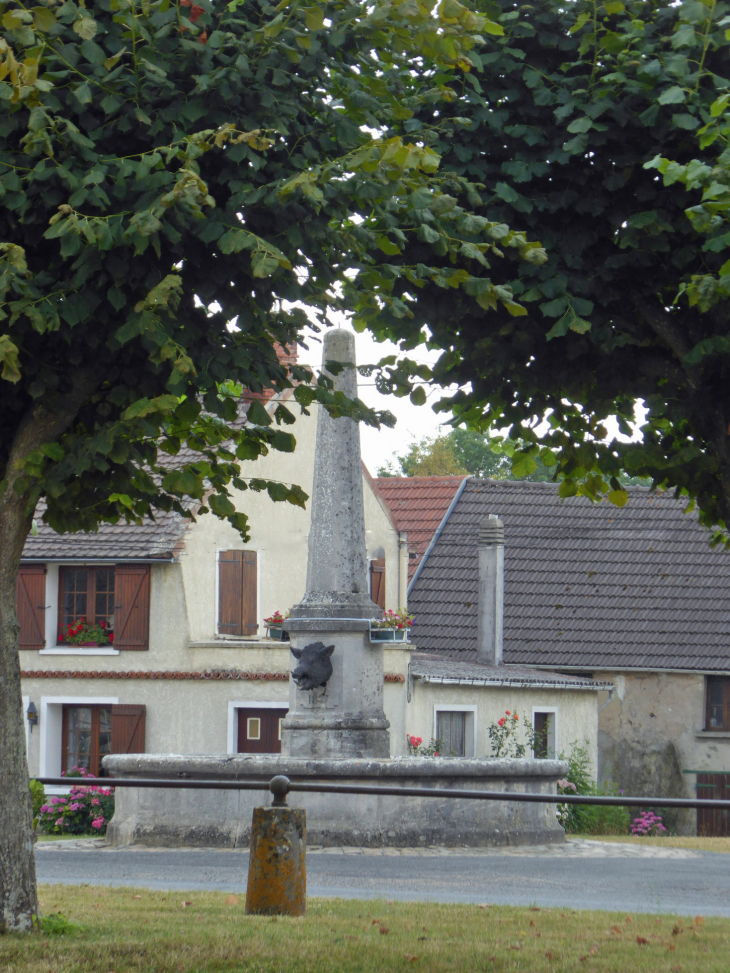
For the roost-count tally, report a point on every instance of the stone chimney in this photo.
(491, 590)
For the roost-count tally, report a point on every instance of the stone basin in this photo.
(172, 818)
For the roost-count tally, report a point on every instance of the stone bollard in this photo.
(277, 864)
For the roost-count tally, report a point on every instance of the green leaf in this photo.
(506, 192)
(86, 28)
(387, 246)
(314, 18)
(257, 414)
(43, 18)
(618, 497)
(418, 395)
(553, 308)
(221, 505)
(579, 125)
(523, 464)
(10, 360)
(672, 96)
(263, 264)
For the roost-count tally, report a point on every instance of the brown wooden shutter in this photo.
(128, 724)
(237, 595)
(132, 606)
(377, 581)
(30, 605)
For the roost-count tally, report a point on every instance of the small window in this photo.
(253, 728)
(543, 723)
(451, 734)
(87, 737)
(718, 704)
(86, 594)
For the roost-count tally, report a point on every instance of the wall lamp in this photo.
(32, 714)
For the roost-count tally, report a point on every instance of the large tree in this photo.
(177, 181)
(601, 130)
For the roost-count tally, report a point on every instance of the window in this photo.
(544, 722)
(86, 593)
(237, 593)
(451, 734)
(718, 704)
(87, 737)
(259, 729)
(89, 732)
(377, 581)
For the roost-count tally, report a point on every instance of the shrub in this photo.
(38, 794)
(648, 823)
(416, 747)
(86, 810)
(504, 735)
(588, 818)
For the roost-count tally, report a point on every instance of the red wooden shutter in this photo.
(132, 606)
(30, 605)
(237, 596)
(128, 728)
(377, 581)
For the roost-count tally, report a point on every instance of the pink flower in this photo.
(97, 823)
(95, 800)
(59, 821)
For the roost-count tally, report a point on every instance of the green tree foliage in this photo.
(463, 451)
(569, 115)
(177, 180)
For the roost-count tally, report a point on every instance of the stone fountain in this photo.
(336, 729)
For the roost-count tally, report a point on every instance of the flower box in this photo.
(388, 634)
(276, 633)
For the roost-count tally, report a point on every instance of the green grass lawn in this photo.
(122, 930)
(693, 843)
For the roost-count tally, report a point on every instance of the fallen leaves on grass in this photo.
(411, 959)
(384, 930)
(641, 941)
(231, 900)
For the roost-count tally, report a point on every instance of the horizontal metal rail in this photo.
(381, 790)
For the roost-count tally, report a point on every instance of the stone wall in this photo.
(223, 818)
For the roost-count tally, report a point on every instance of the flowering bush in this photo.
(276, 619)
(394, 619)
(81, 631)
(504, 736)
(648, 823)
(588, 818)
(417, 749)
(86, 810)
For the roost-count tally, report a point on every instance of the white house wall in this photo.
(576, 718)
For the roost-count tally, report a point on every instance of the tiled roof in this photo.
(120, 541)
(417, 505)
(586, 585)
(437, 669)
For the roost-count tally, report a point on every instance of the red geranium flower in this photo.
(111, 636)
(507, 712)
(501, 722)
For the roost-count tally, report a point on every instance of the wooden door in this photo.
(713, 822)
(259, 730)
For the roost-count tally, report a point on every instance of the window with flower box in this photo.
(86, 605)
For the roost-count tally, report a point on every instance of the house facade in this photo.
(633, 597)
(187, 665)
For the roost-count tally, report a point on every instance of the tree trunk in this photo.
(18, 897)
(18, 894)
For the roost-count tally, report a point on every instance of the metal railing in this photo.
(285, 785)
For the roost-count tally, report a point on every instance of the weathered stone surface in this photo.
(277, 865)
(182, 817)
(337, 583)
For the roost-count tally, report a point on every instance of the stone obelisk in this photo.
(344, 717)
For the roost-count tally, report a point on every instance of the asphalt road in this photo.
(698, 884)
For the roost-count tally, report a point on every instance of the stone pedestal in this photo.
(345, 718)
